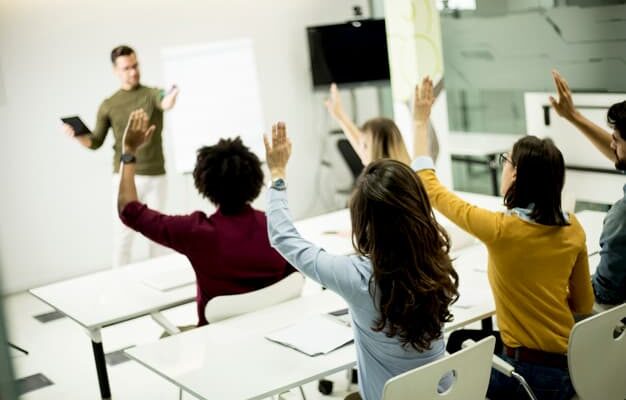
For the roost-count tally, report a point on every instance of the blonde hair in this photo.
(387, 140)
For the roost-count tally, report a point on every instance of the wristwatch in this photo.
(279, 184)
(128, 158)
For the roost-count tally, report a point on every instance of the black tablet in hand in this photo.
(77, 124)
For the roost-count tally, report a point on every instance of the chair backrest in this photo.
(350, 156)
(596, 358)
(470, 369)
(223, 307)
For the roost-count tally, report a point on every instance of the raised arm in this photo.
(136, 134)
(169, 100)
(331, 271)
(564, 106)
(483, 224)
(422, 104)
(352, 132)
(172, 231)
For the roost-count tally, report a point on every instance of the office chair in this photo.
(350, 157)
(223, 307)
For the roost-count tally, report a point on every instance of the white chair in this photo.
(223, 307)
(596, 358)
(470, 367)
(228, 306)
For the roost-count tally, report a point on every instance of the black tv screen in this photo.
(351, 53)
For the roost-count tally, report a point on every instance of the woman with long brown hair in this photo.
(400, 282)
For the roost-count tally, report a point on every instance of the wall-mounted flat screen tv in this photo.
(354, 52)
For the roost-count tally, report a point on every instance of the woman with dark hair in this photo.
(400, 283)
(537, 267)
(228, 250)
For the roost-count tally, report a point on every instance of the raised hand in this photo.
(424, 99)
(174, 90)
(137, 131)
(564, 106)
(333, 103)
(278, 151)
(169, 100)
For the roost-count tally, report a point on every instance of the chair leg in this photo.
(524, 384)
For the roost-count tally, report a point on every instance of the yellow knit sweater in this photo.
(539, 274)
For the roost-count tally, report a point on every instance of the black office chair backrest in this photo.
(350, 156)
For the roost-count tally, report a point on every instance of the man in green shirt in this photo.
(113, 113)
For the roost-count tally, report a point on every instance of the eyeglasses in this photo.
(504, 157)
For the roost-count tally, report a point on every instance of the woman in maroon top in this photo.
(229, 250)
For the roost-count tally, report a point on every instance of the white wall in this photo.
(56, 208)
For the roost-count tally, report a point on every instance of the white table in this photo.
(592, 222)
(467, 146)
(231, 359)
(113, 296)
(332, 231)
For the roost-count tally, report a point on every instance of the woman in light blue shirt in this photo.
(400, 283)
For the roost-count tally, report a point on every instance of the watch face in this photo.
(279, 184)
(128, 158)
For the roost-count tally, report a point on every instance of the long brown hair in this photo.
(413, 280)
(387, 140)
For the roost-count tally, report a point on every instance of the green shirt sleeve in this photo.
(157, 97)
(103, 123)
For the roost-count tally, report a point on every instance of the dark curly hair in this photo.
(228, 174)
(413, 281)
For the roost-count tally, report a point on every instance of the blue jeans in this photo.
(547, 383)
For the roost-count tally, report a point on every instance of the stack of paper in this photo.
(316, 335)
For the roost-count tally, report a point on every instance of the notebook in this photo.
(319, 334)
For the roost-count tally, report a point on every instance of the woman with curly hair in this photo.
(228, 250)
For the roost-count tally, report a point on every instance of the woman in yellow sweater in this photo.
(538, 265)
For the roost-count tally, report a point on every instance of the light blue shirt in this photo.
(379, 357)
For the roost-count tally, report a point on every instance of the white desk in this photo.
(231, 359)
(332, 231)
(465, 145)
(113, 296)
(592, 222)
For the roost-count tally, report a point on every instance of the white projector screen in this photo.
(219, 98)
